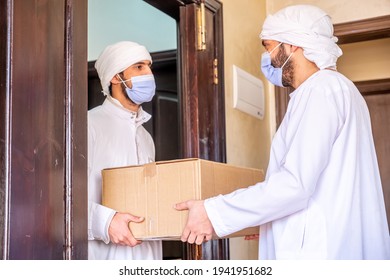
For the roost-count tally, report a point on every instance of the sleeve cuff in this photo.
(99, 220)
(211, 207)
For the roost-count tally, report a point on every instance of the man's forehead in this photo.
(268, 42)
(142, 62)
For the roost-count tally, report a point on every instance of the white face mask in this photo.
(143, 90)
(274, 75)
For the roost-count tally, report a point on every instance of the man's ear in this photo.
(294, 48)
(116, 79)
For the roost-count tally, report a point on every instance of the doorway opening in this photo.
(164, 108)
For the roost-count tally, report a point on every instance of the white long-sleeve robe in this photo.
(116, 138)
(322, 196)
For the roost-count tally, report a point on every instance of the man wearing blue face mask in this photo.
(322, 196)
(274, 75)
(116, 137)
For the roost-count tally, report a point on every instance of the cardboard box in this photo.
(153, 189)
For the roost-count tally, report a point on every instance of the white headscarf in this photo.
(116, 58)
(307, 27)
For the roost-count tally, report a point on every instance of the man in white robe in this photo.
(117, 138)
(322, 196)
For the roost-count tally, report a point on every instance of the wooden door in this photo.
(43, 149)
(43, 103)
(203, 113)
(200, 93)
(377, 95)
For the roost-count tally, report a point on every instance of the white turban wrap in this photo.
(307, 27)
(116, 58)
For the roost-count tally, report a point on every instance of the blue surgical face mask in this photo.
(274, 75)
(143, 90)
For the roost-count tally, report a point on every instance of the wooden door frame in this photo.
(188, 81)
(195, 102)
(76, 102)
(363, 30)
(193, 99)
(69, 191)
(5, 61)
(203, 137)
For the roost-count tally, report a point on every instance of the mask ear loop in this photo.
(275, 48)
(123, 81)
(288, 58)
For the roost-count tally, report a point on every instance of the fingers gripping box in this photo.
(151, 190)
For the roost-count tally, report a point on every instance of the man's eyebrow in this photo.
(143, 63)
(262, 42)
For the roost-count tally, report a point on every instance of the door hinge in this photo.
(215, 71)
(201, 27)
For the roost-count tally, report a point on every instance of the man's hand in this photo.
(198, 228)
(119, 230)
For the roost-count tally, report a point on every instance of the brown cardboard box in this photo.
(151, 191)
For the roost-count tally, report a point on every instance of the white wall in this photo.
(135, 20)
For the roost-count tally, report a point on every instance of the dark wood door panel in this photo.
(202, 101)
(379, 106)
(37, 127)
(43, 129)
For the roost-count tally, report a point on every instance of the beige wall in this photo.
(247, 138)
(340, 10)
(366, 60)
